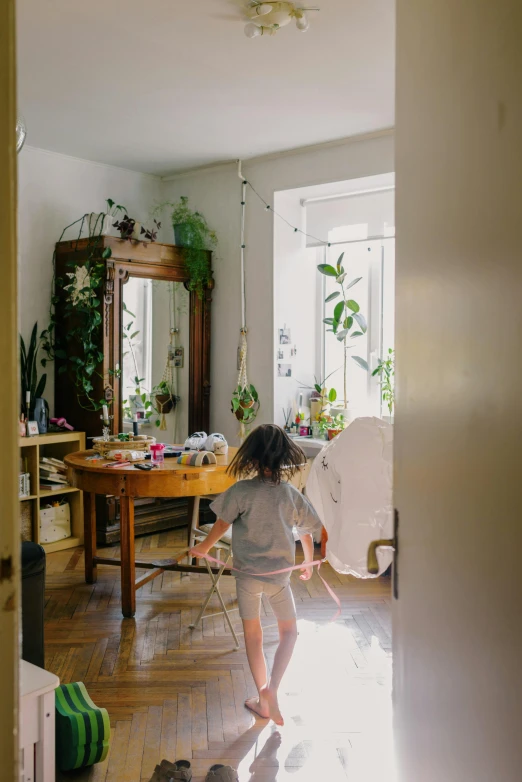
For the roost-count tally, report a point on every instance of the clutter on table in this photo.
(197, 458)
(114, 443)
(200, 441)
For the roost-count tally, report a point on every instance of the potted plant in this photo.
(128, 227)
(31, 388)
(164, 398)
(245, 403)
(336, 426)
(386, 370)
(192, 233)
(100, 223)
(346, 314)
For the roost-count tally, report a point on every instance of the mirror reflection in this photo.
(155, 371)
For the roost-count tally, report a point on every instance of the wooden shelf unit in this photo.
(57, 445)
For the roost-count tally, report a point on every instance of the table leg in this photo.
(89, 521)
(128, 568)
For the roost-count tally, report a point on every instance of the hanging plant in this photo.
(245, 404)
(192, 233)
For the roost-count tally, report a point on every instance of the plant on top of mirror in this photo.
(346, 313)
(78, 299)
(192, 233)
(125, 226)
(245, 404)
(386, 370)
(29, 383)
(113, 208)
(150, 234)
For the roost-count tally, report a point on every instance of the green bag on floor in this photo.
(82, 729)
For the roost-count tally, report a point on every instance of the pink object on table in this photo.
(157, 453)
(62, 423)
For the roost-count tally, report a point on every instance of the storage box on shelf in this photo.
(56, 446)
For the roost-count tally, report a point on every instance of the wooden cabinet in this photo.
(128, 260)
(57, 446)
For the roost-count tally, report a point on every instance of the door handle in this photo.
(390, 544)
(373, 563)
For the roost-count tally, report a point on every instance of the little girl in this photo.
(264, 510)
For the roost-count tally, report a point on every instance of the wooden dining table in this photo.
(168, 479)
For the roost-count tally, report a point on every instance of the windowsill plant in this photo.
(386, 371)
(345, 317)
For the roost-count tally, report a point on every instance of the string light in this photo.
(268, 208)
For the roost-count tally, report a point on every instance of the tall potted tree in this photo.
(347, 322)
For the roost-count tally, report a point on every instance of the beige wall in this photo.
(458, 423)
(9, 526)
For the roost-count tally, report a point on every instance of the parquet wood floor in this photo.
(176, 693)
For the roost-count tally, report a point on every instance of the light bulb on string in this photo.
(263, 9)
(302, 23)
(252, 30)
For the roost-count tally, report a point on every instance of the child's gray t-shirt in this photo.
(263, 516)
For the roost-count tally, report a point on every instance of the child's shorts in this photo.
(249, 591)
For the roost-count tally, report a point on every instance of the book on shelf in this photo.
(52, 464)
(52, 476)
(52, 482)
(51, 486)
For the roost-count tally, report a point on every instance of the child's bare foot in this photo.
(269, 697)
(259, 706)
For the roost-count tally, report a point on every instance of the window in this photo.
(374, 263)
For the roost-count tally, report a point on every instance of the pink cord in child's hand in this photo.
(306, 573)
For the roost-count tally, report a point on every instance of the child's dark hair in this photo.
(269, 452)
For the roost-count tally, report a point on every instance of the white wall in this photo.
(296, 287)
(53, 191)
(217, 193)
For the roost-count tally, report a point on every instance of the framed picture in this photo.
(284, 370)
(285, 336)
(176, 357)
(32, 428)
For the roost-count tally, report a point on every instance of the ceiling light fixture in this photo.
(268, 18)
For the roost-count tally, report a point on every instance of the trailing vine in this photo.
(80, 307)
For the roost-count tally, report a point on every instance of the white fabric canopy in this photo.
(350, 486)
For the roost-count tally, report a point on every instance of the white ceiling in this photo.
(164, 85)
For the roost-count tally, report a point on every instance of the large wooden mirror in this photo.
(146, 289)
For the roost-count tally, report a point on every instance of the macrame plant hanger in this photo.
(242, 379)
(169, 375)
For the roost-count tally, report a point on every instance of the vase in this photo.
(100, 224)
(40, 415)
(183, 235)
(136, 231)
